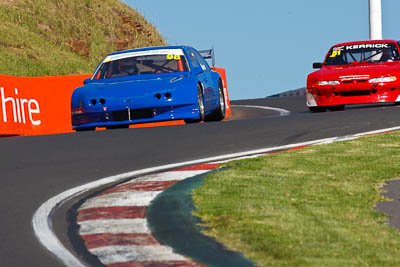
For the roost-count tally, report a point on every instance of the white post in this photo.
(375, 19)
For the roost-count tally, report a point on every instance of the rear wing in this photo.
(208, 54)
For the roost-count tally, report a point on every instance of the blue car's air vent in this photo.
(132, 114)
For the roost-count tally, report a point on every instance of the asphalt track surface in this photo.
(34, 169)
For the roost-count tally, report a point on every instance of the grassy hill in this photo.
(61, 37)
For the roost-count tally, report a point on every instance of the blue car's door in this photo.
(204, 74)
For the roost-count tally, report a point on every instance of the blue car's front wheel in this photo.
(220, 111)
(200, 101)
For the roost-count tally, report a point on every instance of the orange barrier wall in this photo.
(222, 72)
(37, 105)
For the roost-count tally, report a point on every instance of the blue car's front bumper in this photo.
(131, 116)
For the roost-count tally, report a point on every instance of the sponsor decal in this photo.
(360, 46)
(23, 110)
(173, 52)
(339, 48)
(354, 77)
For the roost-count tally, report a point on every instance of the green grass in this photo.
(36, 36)
(309, 207)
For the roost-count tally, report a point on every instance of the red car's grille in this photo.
(354, 81)
(355, 93)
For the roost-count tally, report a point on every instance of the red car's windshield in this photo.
(145, 62)
(362, 53)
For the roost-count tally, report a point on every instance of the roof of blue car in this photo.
(150, 48)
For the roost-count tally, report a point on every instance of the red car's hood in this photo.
(357, 71)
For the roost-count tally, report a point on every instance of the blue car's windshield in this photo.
(142, 62)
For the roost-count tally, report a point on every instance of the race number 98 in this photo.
(171, 56)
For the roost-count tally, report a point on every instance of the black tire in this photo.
(317, 109)
(220, 112)
(200, 101)
(397, 103)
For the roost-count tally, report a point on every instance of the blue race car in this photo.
(149, 85)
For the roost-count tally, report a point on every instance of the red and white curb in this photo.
(113, 224)
(42, 225)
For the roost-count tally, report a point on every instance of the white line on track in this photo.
(282, 112)
(42, 223)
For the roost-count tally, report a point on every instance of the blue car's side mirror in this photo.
(86, 81)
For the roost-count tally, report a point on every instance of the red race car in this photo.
(355, 73)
